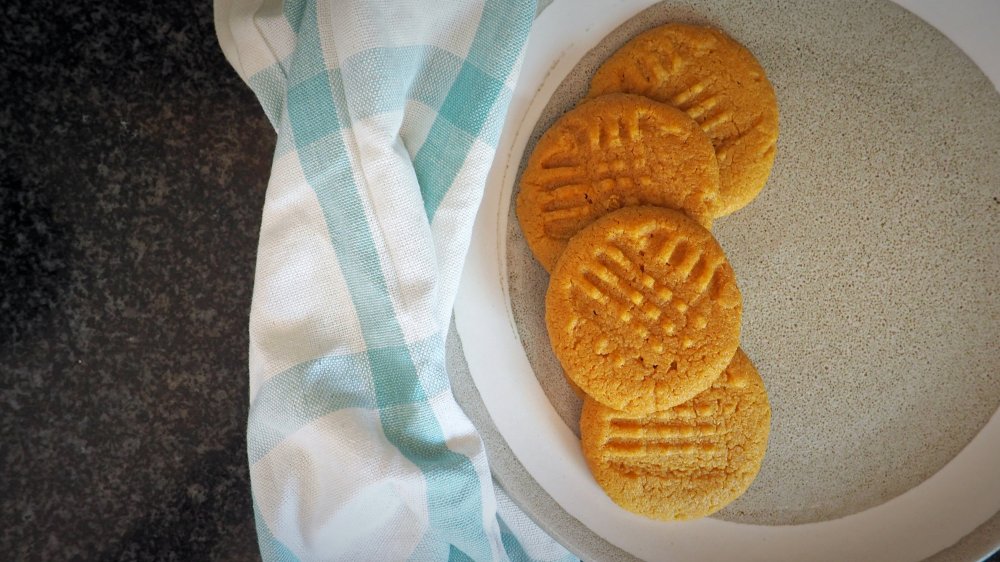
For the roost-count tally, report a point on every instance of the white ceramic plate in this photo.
(918, 523)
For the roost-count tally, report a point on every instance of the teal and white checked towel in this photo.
(388, 114)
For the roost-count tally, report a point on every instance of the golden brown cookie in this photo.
(643, 310)
(611, 152)
(685, 462)
(719, 84)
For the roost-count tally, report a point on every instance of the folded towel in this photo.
(387, 115)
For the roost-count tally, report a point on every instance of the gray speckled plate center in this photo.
(869, 265)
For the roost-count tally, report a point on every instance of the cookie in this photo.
(686, 462)
(642, 309)
(611, 152)
(717, 82)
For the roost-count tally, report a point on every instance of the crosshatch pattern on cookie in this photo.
(643, 310)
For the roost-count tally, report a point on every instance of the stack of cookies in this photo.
(643, 310)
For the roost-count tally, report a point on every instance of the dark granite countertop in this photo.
(133, 164)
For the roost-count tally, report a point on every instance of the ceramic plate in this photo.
(869, 267)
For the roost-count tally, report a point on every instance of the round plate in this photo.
(869, 268)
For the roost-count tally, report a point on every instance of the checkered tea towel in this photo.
(388, 114)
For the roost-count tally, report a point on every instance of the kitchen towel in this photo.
(387, 114)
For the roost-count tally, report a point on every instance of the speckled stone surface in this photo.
(133, 164)
(869, 265)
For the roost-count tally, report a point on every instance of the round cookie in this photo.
(686, 462)
(611, 152)
(717, 82)
(642, 309)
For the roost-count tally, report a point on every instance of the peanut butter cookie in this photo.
(643, 310)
